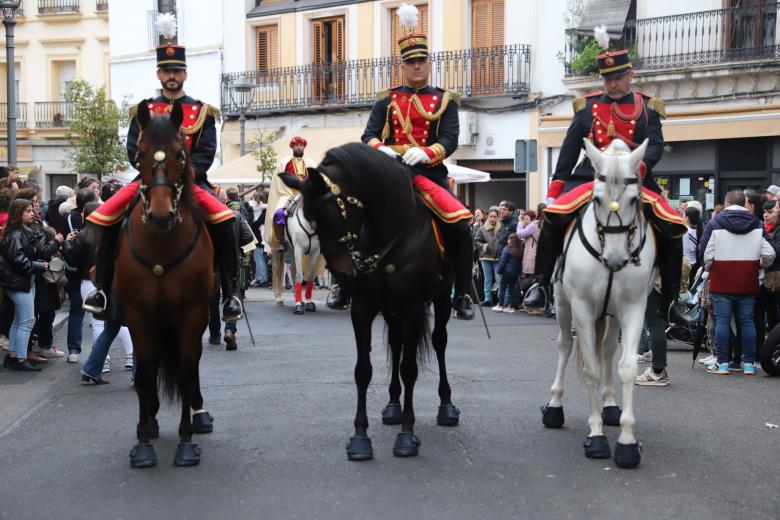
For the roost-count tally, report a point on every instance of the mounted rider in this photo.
(200, 138)
(282, 197)
(418, 124)
(615, 113)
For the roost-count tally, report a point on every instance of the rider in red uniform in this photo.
(200, 137)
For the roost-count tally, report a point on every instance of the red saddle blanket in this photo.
(114, 209)
(441, 201)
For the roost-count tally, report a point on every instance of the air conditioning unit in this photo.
(468, 129)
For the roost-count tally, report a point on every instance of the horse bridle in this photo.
(361, 264)
(162, 180)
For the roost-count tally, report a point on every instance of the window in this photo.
(487, 35)
(397, 31)
(267, 38)
(67, 74)
(4, 80)
(328, 58)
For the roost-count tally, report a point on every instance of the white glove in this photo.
(550, 200)
(415, 156)
(389, 151)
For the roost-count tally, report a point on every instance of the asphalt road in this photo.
(284, 409)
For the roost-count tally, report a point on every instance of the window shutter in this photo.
(317, 51)
(497, 23)
(480, 24)
(487, 22)
(339, 57)
(267, 48)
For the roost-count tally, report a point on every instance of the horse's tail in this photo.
(167, 347)
(422, 333)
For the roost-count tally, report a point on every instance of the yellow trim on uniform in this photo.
(219, 217)
(449, 218)
(437, 237)
(172, 62)
(383, 94)
(660, 210)
(567, 208)
(373, 142)
(578, 103)
(440, 152)
(613, 69)
(104, 220)
(657, 105)
(195, 128)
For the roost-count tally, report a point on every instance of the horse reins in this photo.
(362, 265)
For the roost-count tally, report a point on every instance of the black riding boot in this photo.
(669, 256)
(226, 253)
(96, 301)
(548, 250)
(338, 298)
(459, 246)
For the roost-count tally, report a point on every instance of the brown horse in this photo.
(164, 281)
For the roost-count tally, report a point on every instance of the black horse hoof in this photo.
(202, 422)
(187, 454)
(610, 415)
(627, 456)
(298, 308)
(597, 447)
(448, 415)
(154, 428)
(359, 448)
(391, 414)
(143, 456)
(552, 417)
(406, 445)
(310, 307)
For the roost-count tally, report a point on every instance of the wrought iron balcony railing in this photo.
(705, 37)
(53, 114)
(492, 71)
(102, 6)
(58, 6)
(21, 115)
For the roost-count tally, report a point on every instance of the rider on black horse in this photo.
(200, 137)
(418, 124)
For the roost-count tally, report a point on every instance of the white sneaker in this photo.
(711, 362)
(106, 365)
(3, 342)
(706, 360)
(650, 378)
(52, 352)
(647, 357)
(498, 308)
(509, 310)
(73, 357)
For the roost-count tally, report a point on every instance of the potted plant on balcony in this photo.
(58, 120)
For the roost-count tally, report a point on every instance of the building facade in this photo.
(716, 64)
(320, 64)
(57, 41)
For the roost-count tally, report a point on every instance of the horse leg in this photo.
(552, 414)
(596, 445)
(143, 454)
(314, 255)
(610, 413)
(627, 450)
(391, 414)
(278, 276)
(448, 414)
(359, 446)
(298, 253)
(202, 421)
(187, 453)
(406, 442)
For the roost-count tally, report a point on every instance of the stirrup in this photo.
(531, 304)
(235, 317)
(95, 309)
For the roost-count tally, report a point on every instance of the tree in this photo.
(93, 121)
(264, 153)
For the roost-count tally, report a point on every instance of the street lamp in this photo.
(9, 8)
(242, 93)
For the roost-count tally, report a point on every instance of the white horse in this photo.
(608, 272)
(302, 237)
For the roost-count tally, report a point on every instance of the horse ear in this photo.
(292, 181)
(142, 114)
(594, 154)
(637, 156)
(177, 115)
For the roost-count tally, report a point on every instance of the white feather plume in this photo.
(166, 25)
(602, 37)
(408, 15)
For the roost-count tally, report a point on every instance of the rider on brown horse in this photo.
(200, 137)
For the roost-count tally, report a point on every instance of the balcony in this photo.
(21, 115)
(700, 38)
(52, 114)
(58, 6)
(502, 71)
(102, 6)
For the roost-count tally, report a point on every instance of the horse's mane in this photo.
(159, 132)
(385, 184)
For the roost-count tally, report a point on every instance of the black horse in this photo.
(381, 244)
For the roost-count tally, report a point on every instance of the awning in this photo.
(611, 13)
(463, 175)
(243, 170)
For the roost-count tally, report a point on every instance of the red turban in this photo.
(298, 140)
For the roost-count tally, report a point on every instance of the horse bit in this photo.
(362, 265)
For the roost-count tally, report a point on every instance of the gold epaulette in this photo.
(383, 94)
(657, 105)
(578, 103)
(132, 111)
(212, 111)
(454, 97)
